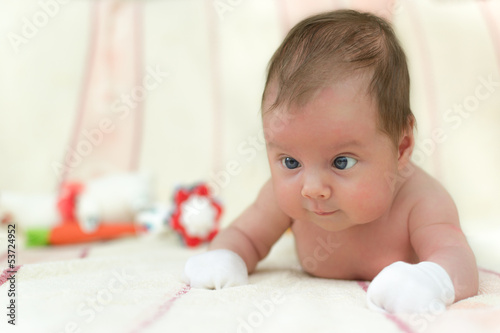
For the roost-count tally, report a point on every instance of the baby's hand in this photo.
(402, 287)
(215, 269)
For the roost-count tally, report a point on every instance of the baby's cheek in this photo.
(287, 201)
(370, 202)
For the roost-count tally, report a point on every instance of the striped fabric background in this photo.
(173, 87)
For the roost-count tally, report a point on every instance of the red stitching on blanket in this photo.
(162, 310)
(364, 285)
(85, 252)
(485, 270)
(397, 321)
(7, 274)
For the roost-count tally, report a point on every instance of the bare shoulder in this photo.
(434, 226)
(267, 204)
(263, 219)
(252, 234)
(429, 202)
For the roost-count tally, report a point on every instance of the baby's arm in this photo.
(254, 232)
(236, 250)
(446, 271)
(436, 236)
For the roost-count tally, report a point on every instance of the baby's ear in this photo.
(406, 144)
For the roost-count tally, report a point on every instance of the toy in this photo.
(34, 210)
(114, 198)
(111, 207)
(155, 219)
(99, 209)
(71, 233)
(196, 214)
(66, 202)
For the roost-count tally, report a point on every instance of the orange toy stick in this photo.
(71, 233)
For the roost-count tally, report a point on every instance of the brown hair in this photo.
(327, 48)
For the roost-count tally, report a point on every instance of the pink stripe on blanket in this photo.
(85, 252)
(399, 323)
(384, 8)
(430, 82)
(8, 273)
(82, 103)
(138, 22)
(216, 74)
(488, 11)
(283, 16)
(364, 285)
(396, 320)
(108, 125)
(292, 11)
(489, 271)
(162, 310)
(3, 257)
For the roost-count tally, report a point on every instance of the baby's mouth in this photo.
(321, 213)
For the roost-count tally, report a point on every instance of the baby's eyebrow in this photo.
(337, 146)
(276, 147)
(272, 144)
(349, 143)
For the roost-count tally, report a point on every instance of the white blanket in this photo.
(135, 285)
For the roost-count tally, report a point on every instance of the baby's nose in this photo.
(315, 187)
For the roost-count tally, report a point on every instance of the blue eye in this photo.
(290, 163)
(344, 162)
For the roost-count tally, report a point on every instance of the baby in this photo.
(339, 136)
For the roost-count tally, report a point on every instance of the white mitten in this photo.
(215, 269)
(402, 287)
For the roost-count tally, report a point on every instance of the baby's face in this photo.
(329, 162)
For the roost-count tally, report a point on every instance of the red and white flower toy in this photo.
(196, 214)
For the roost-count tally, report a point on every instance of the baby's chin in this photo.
(334, 222)
(337, 222)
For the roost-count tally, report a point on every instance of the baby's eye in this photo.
(290, 163)
(344, 162)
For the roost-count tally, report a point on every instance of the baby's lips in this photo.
(325, 213)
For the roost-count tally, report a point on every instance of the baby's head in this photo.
(330, 47)
(337, 119)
